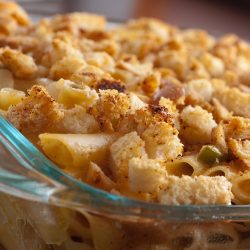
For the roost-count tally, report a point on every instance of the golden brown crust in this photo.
(7, 25)
(110, 109)
(14, 11)
(21, 65)
(38, 112)
(233, 99)
(25, 43)
(76, 23)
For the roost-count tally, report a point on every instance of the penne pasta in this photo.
(240, 188)
(206, 236)
(9, 97)
(106, 234)
(77, 150)
(70, 94)
(228, 171)
(186, 165)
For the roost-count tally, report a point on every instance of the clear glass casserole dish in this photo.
(43, 208)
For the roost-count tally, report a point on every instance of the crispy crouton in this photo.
(124, 149)
(151, 83)
(7, 25)
(162, 141)
(140, 119)
(21, 65)
(9, 97)
(131, 71)
(172, 89)
(36, 113)
(220, 112)
(77, 22)
(101, 60)
(89, 75)
(195, 190)
(199, 88)
(145, 175)
(237, 128)
(110, 108)
(233, 99)
(214, 65)
(160, 29)
(196, 70)
(66, 67)
(77, 121)
(60, 49)
(175, 60)
(172, 110)
(196, 132)
(25, 43)
(14, 11)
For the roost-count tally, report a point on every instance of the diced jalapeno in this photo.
(210, 155)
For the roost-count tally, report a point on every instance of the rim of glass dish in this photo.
(102, 202)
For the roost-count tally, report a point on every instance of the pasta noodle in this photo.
(241, 189)
(69, 94)
(186, 165)
(106, 234)
(226, 171)
(10, 97)
(206, 236)
(76, 150)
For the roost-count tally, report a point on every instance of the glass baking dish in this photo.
(41, 207)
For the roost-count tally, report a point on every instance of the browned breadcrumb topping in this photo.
(37, 112)
(111, 84)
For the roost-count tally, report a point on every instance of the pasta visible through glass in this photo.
(64, 229)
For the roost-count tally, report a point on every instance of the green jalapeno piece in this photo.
(210, 154)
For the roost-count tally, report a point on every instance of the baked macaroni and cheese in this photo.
(144, 110)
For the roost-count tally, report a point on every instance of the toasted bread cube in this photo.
(145, 175)
(198, 124)
(21, 65)
(199, 190)
(125, 148)
(36, 113)
(162, 141)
